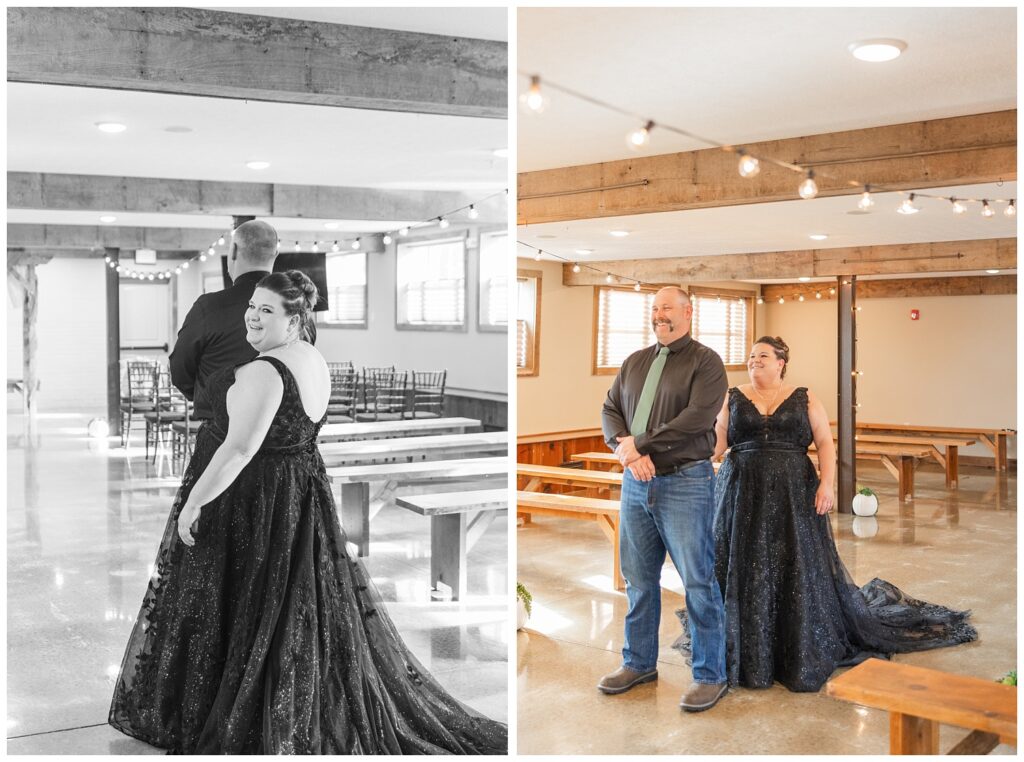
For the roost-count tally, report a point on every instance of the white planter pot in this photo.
(865, 505)
(521, 615)
(865, 527)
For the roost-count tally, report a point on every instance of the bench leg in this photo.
(952, 466)
(906, 478)
(355, 514)
(610, 526)
(1001, 461)
(448, 546)
(912, 735)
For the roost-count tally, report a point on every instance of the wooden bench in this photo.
(542, 476)
(598, 459)
(993, 439)
(918, 699)
(436, 447)
(457, 521)
(949, 460)
(355, 486)
(344, 432)
(604, 512)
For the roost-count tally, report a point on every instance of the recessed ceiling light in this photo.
(257, 164)
(992, 272)
(501, 153)
(619, 233)
(331, 225)
(818, 236)
(877, 51)
(803, 279)
(108, 218)
(584, 252)
(110, 127)
(548, 236)
(177, 128)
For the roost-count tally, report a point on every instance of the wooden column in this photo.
(30, 338)
(113, 343)
(846, 450)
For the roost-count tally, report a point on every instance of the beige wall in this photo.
(565, 395)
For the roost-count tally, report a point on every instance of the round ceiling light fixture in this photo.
(877, 51)
(111, 127)
(257, 164)
(818, 236)
(331, 225)
(108, 218)
(619, 233)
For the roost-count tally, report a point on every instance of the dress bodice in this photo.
(290, 427)
(789, 426)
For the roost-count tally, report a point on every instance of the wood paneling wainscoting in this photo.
(557, 448)
(490, 408)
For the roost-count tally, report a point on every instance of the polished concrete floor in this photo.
(84, 521)
(955, 548)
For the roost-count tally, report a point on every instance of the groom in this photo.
(660, 418)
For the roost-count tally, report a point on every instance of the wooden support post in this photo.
(113, 343)
(847, 387)
(30, 339)
(448, 548)
(912, 735)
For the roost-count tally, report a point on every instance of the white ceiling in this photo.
(740, 75)
(51, 129)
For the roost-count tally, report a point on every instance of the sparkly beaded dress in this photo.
(267, 636)
(793, 614)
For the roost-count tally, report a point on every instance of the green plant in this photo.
(1009, 679)
(866, 491)
(523, 595)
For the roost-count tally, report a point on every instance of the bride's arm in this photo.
(722, 429)
(252, 402)
(825, 499)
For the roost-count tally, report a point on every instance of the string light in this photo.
(220, 241)
(808, 188)
(782, 300)
(355, 245)
(958, 208)
(866, 202)
(1011, 209)
(297, 247)
(403, 232)
(986, 210)
(639, 138)
(442, 222)
(760, 300)
(335, 248)
(202, 257)
(537, 255)
(387, 239)
(832, 291)
(184, 265)
(636, 286)
(749, 166)
(800, 298)
(472, 213)
(575, 267)
(533, 99)
(907, 206)
(608, 278)
(817, 295)
(316, 247)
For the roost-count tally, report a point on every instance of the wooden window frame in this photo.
(322, 322)
(607, 370)
(435, 327)
(532, 367)
(481, 326)
(748, 296)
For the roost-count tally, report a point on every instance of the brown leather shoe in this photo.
(702, 696)
(624, 678)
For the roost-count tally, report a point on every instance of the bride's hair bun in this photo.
(780, 347)
(302, 282)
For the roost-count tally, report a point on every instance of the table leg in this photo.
(1001, 461)
(448, 548)
(355, 514)
(952, 465)
(906, 477)
(912, 735)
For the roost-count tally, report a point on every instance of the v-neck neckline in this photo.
(777, 407)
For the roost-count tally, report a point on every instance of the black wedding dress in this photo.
(793, 614)
(267, 636)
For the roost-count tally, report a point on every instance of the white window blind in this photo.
(346, 289)
(494, 290)
(521, 343)
(623, 325)
(431, 283)
(720, 322)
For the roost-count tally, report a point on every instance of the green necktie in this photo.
(643, 407)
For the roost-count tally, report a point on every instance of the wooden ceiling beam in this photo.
(890, 259)
(980, 148)
(102, 193)
(962, 285)
(193, 51)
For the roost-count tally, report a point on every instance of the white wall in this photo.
(956, 366)
(565, 395)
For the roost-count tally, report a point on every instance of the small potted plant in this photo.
(524, 603)
(865, 502)
(1009, 679)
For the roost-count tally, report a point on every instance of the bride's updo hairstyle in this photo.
(298, 294)
(781, 350)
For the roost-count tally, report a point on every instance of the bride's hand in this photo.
(187, 520)
(824, 499)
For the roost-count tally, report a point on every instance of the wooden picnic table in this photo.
(343, 432)
(355, 482)
(435, 447)
(457, 521)
(949, 460)
(993, 439)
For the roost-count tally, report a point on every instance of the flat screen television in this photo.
(312, 264)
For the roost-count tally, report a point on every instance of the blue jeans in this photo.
(673, 513)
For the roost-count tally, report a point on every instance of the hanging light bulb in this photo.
(749, 165)
(202, 257)
(278, 243)
(117, 268)
(817, 295)
(575, 267)
(403, 232)
(832, 291)
(220, 241)
(637, 139)
(608, 278)
(801, 298)
(907, 206)
(986, 210)
(808, 188)
(1010, 210)
(442, 223)
(107, 260)
(958, 208)
(636, 286)
(151, 276)
(387, 239)
(782, 300)
(472, 213)
(533, 100)
(355, 245)
(537, 255)
(297, 247)
(177, 271)
(760, 300)
(316, 246)
(184, 265)
(335, 247)
(866, 202)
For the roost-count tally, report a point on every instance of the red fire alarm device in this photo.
(915, 314)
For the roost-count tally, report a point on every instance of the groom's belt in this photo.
(767, 444)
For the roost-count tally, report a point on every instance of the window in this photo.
(528, 322)
(623, 325)
(493, 302)
(346, 290)
(431, 285)
(723, 321)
